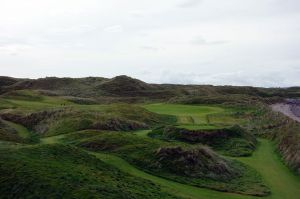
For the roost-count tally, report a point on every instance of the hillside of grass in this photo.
(57, 171)
(48, 116)
(127, 89)
(178, 141)
(282, 182)
(281, 129)
(194, 165)
(232, 141)
(114, 117)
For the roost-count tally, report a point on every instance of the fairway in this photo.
(283, 183)
(186, 114)
(196, 116)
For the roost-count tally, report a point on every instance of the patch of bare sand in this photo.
(288, 110)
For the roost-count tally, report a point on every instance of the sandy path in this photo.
(290, 110)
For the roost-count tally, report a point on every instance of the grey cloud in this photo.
(250, 42)
(72, 29)
(14, 49)
(136, 13)
(202, 41)
(114, 29)
(189, 3)
(151, 48)
(4, 41)
(267, 78)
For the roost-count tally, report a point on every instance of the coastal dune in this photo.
(290, 108)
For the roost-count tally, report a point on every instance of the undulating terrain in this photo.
(124, 138)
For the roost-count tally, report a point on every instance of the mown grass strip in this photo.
(283, 183)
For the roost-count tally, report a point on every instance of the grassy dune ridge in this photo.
(57, 161)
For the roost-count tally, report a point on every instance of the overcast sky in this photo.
(237, 42)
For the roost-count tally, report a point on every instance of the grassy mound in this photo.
(233, 141)
(153, 156)
(81, 100)
(7, 133)
(200, 162)
(13, 132)
(23, 95)
(284, 131)
(57, 171)
(123, 85)
(76, 118)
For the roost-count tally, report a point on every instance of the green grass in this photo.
(182, 190)
(21, 130)
(71, 117)
(189, 115)
(141, 151)
(200, 126)
(232, 141)
(52, 139)
(142, 133)
(283, 183)
(185, 114)
(29, 101)
(13, 132)
(60, 171)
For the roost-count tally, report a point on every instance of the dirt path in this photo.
(287, 109)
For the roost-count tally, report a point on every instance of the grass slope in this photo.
(232, 141)
(22, 131)
(283, 183)
(58, 171)
(142, 152)
(48, 116)
(52, 170)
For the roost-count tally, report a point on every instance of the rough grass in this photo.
(49, 118)
(179, 189)
(7, 133)
(141, 151)
(232, 141)
(57, 171)
(13, 132)
(132, 150)
(282, 182)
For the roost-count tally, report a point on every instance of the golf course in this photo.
(111, 148)
(265, 161)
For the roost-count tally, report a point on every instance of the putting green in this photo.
(186, 114)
